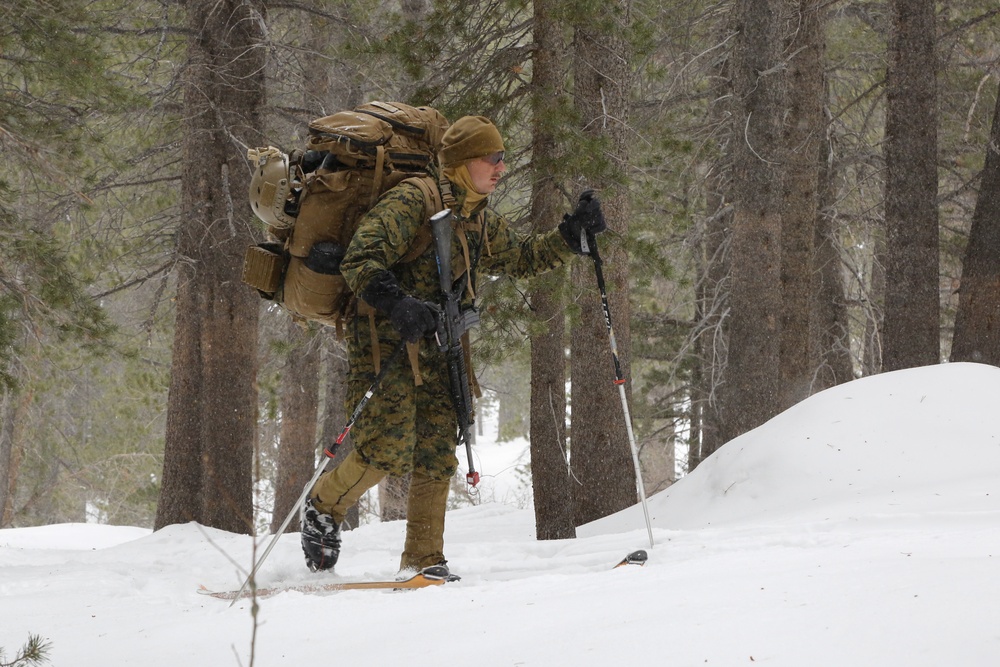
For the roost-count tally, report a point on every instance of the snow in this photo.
(861, 527)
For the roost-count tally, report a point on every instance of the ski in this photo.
(638, 557)
(429, 576)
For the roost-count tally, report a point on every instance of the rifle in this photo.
(452, 325)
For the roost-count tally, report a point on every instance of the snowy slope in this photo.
(861, 527)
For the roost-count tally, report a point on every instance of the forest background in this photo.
(798, 192)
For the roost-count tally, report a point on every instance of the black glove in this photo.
(586, 219)
(412, 318)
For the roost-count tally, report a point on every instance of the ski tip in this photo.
(434, 572)
(638, 557)
(438, 573)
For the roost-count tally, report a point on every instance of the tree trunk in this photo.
(871, 362)
(804, 128)
(713, 269)
(602, 461)
(911, 335)
(299, 417)
(212, 404)
(710, 303)
(977, 323)
(550, 474)
(14, 408)
(830, 341)
(751, 393)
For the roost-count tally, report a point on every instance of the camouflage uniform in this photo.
(384, 236)
(408, 428)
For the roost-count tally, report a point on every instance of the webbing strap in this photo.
(468, 260)
(377, 183)
(412, 350)
(432, 205)
(444, 185)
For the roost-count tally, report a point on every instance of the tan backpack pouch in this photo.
(363, 132)
(313, 295)
(262, 269)
(327, 201)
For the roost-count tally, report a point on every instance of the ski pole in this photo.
(329, 452)
(588, 243)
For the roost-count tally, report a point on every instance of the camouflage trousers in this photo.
(404, 428)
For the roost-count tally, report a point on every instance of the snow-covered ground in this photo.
(861, 527)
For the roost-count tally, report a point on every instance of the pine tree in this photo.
(212, 405)
(911, 335)
(602, 75)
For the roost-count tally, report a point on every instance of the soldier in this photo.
(409, 425)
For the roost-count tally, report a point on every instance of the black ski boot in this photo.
(440, 571)
(320, 538)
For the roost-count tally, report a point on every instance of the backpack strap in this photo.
(433, 203)
(422, 241)
(378, 175)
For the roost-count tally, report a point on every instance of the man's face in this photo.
(486, 172)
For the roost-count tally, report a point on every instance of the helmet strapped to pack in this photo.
(271, 187)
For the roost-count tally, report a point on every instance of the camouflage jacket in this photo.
(387, 231)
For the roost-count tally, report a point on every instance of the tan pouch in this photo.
(262, 269)
(315, 296)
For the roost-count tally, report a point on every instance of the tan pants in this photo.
(425, 512)
(339, 489)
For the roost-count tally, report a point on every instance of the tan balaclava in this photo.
(468, 138)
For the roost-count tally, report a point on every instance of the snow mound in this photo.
(859, 528)
(917, 441)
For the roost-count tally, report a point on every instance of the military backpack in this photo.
(312, 200)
